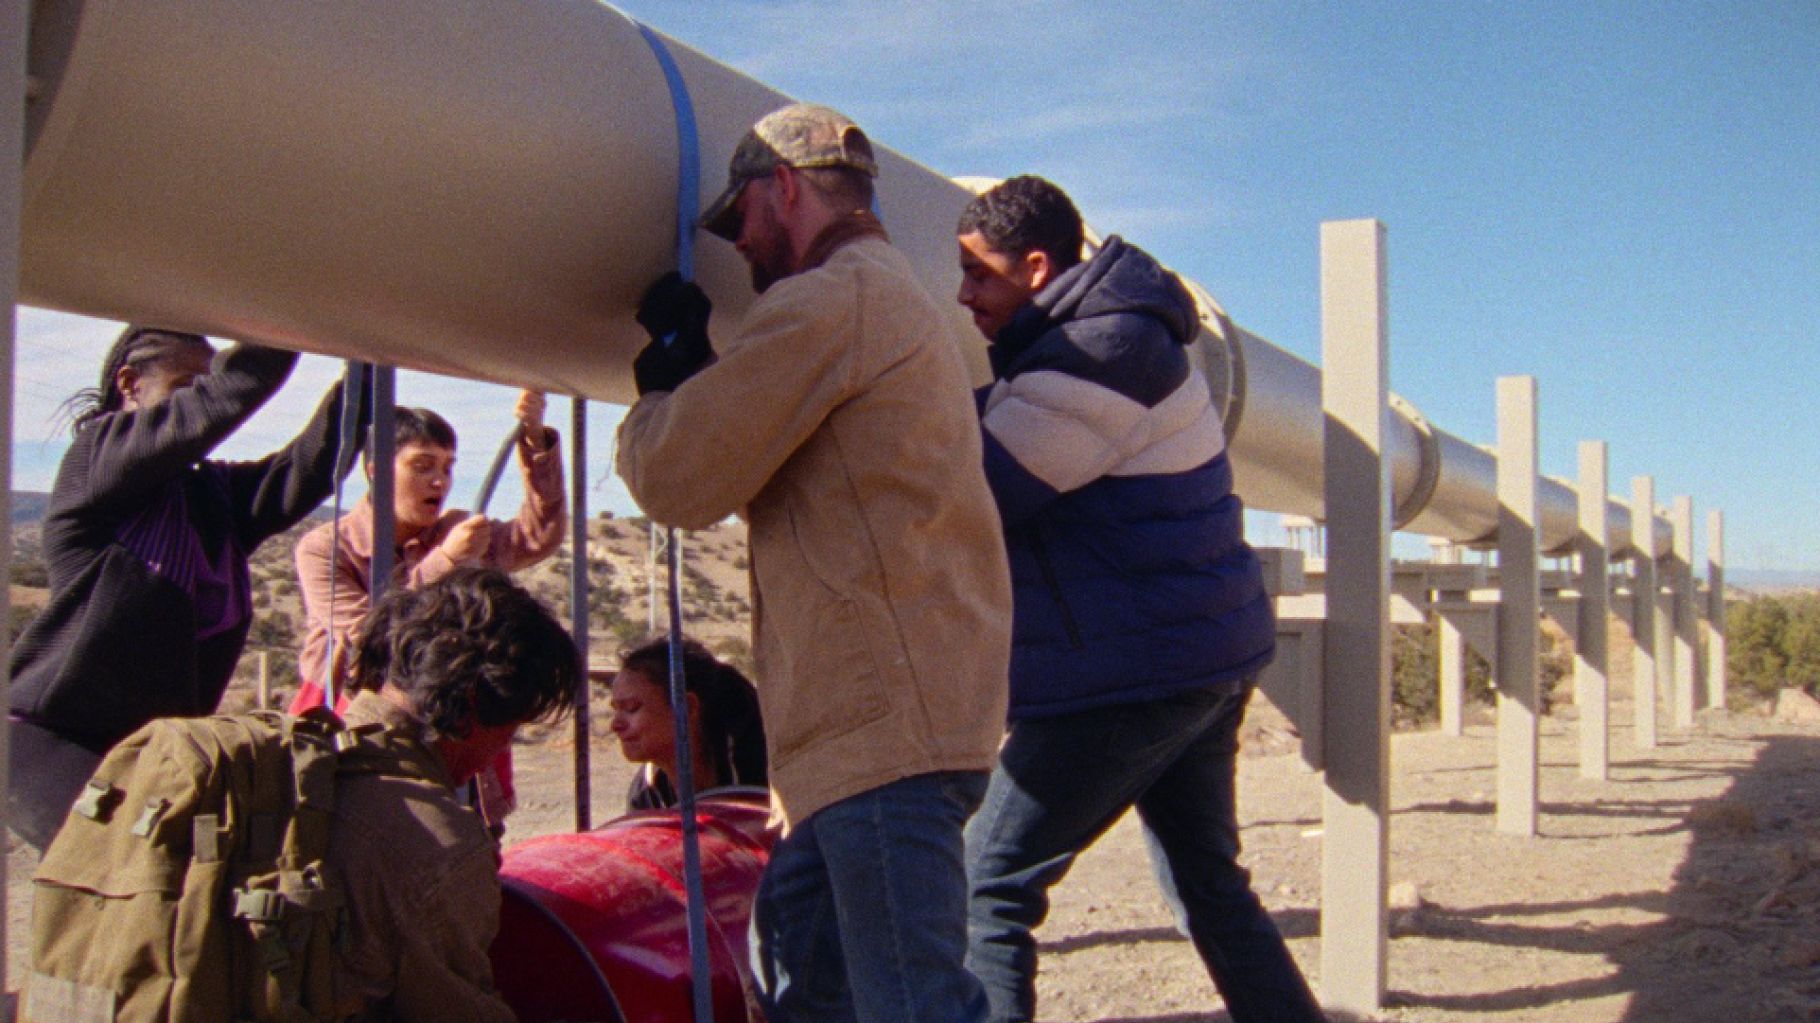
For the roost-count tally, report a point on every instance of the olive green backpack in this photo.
(187, 885)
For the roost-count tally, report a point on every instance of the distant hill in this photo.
(29, 506)
(1772, 580)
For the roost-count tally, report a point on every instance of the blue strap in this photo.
(688, 206)
(688, 154)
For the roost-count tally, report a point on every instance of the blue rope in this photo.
(688, 204)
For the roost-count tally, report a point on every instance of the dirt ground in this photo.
(1682, 889)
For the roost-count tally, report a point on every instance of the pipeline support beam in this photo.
(1715, 609)
(1645, 610)
(1686, 624)
(1519, 608)
(1592, 683)
(1356, 660)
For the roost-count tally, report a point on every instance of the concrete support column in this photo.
(1715, 608)
(1453, 668)
(1643, 608)
(1591, 683)
(1686, 625)
(1356, 661)
(1519, 607)
(12, 162)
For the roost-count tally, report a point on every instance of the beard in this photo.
(768, 254)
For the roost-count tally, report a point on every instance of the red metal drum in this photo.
(592, 926)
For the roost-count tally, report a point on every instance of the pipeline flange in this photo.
(1428, 472)
(1227, 380)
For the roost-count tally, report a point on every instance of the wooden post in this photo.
(1356, 659)
(264, 692)
(1643, 608)
(1592, 690)
(1519, 606)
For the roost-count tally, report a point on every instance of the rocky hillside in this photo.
(716, 601)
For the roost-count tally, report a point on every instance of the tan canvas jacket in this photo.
(840, 422)
(420, 875)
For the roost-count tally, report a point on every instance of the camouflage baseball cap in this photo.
(800, 135)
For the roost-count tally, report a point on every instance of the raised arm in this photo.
(695, 455)
(537, 530)
(349, 590)
(274, 493)
(134, 454)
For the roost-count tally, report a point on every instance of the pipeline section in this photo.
(484, 191)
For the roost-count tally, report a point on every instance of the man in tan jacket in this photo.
(839, 421)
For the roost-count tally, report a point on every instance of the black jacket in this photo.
(117, 645)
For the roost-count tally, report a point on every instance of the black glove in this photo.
(675, 310)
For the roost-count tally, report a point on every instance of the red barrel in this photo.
(592, 926)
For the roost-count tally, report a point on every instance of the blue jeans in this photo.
(862, 912)
(1062, 781)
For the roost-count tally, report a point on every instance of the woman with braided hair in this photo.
(146, 540)
(726, 733)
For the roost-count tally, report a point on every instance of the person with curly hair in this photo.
(726, 732)
(147, 541)
(448, 672)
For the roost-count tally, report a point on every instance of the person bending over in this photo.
(1140, 620)
(450, 671)
(726, 732)
(147, 541)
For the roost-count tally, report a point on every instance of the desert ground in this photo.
(1681, 889)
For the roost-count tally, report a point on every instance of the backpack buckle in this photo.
(148, 817)
(97, 800)
(259, 905)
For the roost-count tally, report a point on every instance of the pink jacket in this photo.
(531, 537)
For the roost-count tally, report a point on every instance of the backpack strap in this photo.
(278, 912)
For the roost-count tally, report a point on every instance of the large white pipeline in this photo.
(483, 189)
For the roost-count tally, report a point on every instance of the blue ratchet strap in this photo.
(688, 208)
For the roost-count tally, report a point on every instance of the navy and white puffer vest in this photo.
(1131, 574)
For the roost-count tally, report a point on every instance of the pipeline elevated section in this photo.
(484, 190)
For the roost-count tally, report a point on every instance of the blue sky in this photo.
(1621, 199)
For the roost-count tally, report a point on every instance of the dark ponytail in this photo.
(731, 726)
(136, 346)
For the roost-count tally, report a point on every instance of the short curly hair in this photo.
(471, 648)
(1024, 213)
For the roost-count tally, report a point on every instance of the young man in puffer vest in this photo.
(1140, 620)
